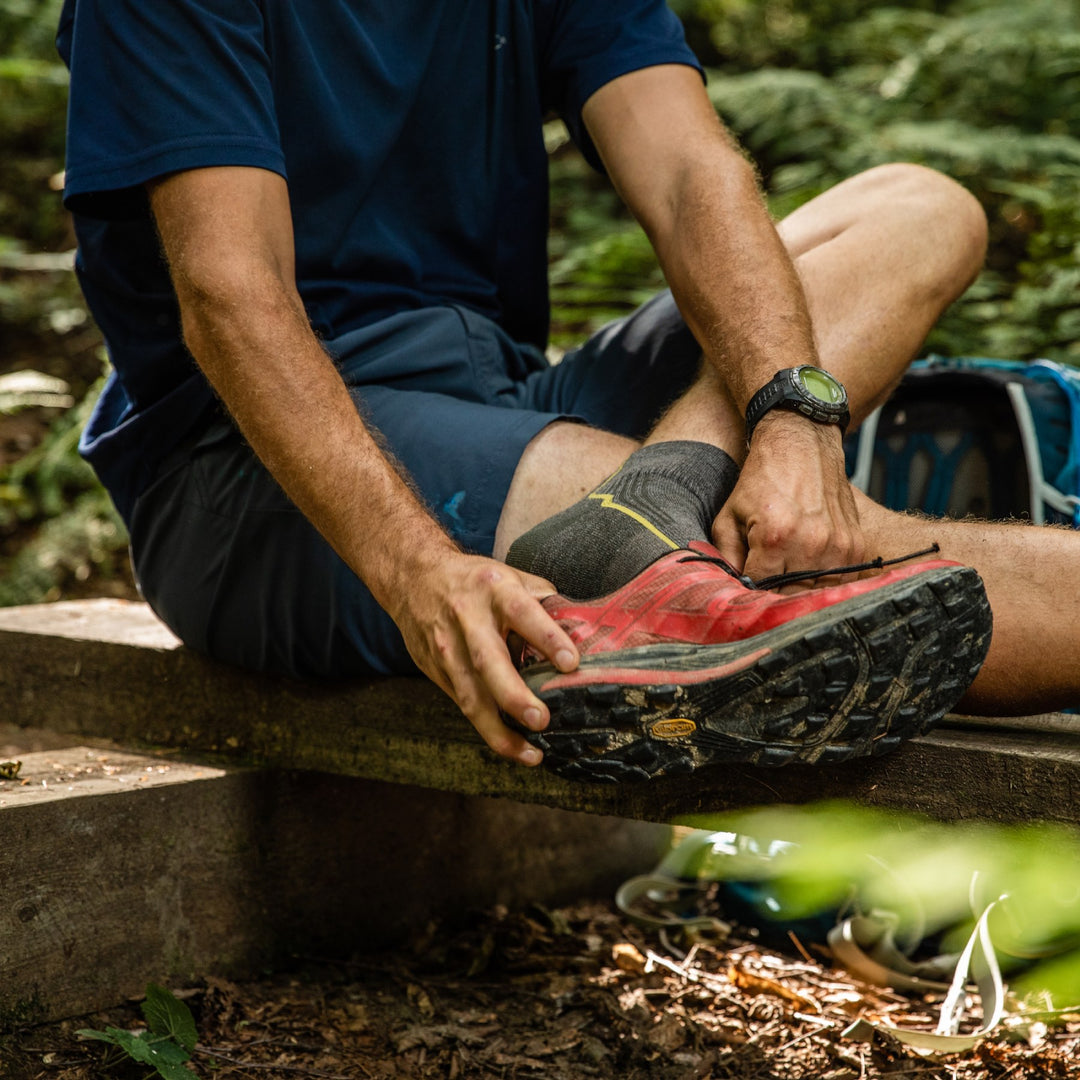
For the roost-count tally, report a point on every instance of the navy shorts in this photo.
(236, 571)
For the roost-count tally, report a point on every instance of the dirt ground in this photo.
(547, 995)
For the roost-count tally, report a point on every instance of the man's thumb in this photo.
(728, 538)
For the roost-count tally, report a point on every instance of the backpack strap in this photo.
(1040, 490)
(1057, 496)
(866, 437)
(1067, 380)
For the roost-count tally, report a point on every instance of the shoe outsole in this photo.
(854, 679)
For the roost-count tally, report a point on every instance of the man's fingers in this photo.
(508, 606)
(766, 548)
(460, 642)
(776, 538)
(522, 614)
(504, 742)
(764, 563)
(483, 682)
(727, 536)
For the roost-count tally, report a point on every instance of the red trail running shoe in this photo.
(686, 666)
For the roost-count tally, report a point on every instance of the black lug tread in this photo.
(605, 693)
(854, 683)
(597, 738)
(662, 695)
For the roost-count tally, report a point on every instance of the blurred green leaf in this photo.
(934, 876)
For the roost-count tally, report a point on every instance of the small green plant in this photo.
(168, 1043)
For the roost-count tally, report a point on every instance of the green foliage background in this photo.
(58, 528)
(986, 90)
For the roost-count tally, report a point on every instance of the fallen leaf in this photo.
(419, 1000)
(628, 958)
(758, 984)
(518, 1061)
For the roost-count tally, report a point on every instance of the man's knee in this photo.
(946, 215)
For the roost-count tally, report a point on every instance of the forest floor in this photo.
(548, 995)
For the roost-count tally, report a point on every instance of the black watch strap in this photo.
(785, 390)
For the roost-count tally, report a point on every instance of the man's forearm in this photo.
(227, 235)
(731, 275)
(697, 198)
(291, 404)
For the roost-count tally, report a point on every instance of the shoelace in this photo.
(779, 580)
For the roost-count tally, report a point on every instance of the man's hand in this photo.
(792, 508)
(455, 620)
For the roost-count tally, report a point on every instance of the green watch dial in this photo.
(821, 385)
(807, 390)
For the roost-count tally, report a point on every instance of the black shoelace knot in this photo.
(777, 581)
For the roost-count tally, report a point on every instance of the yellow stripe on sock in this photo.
(608, 502)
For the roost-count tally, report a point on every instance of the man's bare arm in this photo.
(698, 200)
(227, 234)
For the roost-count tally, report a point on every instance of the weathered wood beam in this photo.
(109, 669)
(119, 869)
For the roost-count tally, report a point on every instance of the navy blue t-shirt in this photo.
(409, 132)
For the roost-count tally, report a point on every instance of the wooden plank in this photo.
(122, 622)
(94, 681)
(120, 869)
(108, 876)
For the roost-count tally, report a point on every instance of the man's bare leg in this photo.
(1033, 584)
(917, 246)
(562, 464)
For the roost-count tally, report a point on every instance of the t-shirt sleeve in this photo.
(588, 43)
(158, 86)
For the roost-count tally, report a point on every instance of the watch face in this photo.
(820, 385)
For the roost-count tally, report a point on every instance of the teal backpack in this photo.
(963, 436)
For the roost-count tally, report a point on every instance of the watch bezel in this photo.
(786, 391)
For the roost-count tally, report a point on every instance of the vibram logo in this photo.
(674, 728)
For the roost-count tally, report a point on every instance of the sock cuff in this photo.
(675, 489)
(703, 469)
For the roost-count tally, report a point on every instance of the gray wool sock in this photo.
(665, 495)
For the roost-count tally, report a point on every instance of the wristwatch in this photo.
(816, 394)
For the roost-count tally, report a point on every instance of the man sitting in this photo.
(330, 417)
